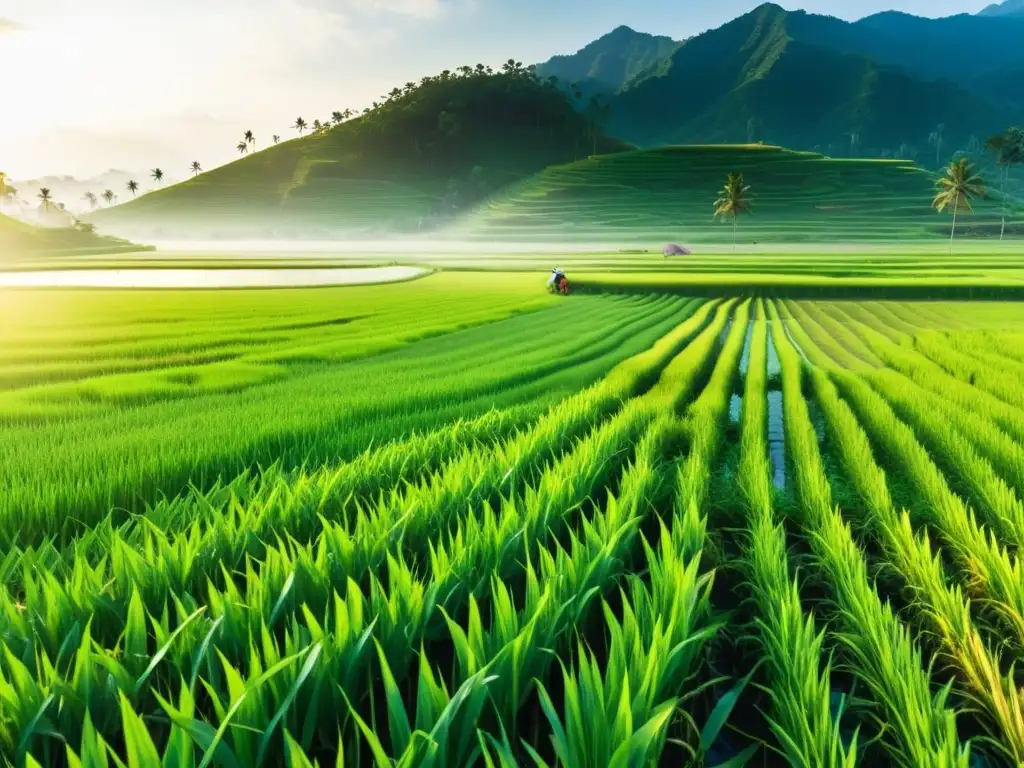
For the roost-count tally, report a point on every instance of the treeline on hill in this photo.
(471, 130)
(423, 152)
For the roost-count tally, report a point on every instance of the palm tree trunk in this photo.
(735, 221)
(1002, 226)
(952, 232)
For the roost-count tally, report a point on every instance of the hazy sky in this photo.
(132, 84)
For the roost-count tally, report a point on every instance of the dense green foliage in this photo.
(610, 62)
(424, 152)
(240, 385)
(814, 82)
(538, 550)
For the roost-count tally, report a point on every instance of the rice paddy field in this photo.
(457, 521)
(666, 194)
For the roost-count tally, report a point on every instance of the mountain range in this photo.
(1006, 8)
(890, 85)
(611, 61)
(883, 84)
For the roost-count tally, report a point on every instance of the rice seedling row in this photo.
(501, 545)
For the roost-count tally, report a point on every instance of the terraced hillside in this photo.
(426, 152)
(19, 240)
(637, 525)
(667, 195)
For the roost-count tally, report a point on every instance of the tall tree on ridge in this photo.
(956, 189)
(275, 138)
(854, 141)
(46, 197)
(1008, 147)
(300, 125)
(196, 168)
(733, 202)
(109, 196)
(249, 138)
(6, 190)
(935, 139)
(242, 147)
(158, 175)
(133, 187)
(90, 198)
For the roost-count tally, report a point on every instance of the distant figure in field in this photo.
(675, 250)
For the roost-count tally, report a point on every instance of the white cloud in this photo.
(121, 82)
(423, 9)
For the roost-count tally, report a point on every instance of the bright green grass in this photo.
(667, 194)
(101, 341)
(486, 539)
(114, 398)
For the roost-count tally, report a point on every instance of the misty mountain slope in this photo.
(1006, 8)
(758, 78)
(959, 48)
(611, 61)
(427, 152)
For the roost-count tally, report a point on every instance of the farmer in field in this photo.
(558, 283)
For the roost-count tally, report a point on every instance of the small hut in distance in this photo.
(675, 250)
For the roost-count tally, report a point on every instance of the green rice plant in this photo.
(512, 651)
(331, 413)
(614, 525)
(842, 345)
(940, 606)
(983, 347)
(635, 718)
(955, 436)
(298, 500)
(299, 573)
(917, 728)
(877, 316)
(992, 572)
(1005, 386)
(929, 375)
(801, 717)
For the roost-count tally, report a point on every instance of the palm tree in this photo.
(275, 138)
(196, 168)
(317, 127)
(158, 175)
(854, 141)
(242, 147)
(300, 125)
(6, 190)
(109, 196)
(90, 198)
(336, 118)
(935, 139)
(249, 138)
(733, 202)
(46, 198)
(133, 187)
(956, 188)
(1008, 147)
